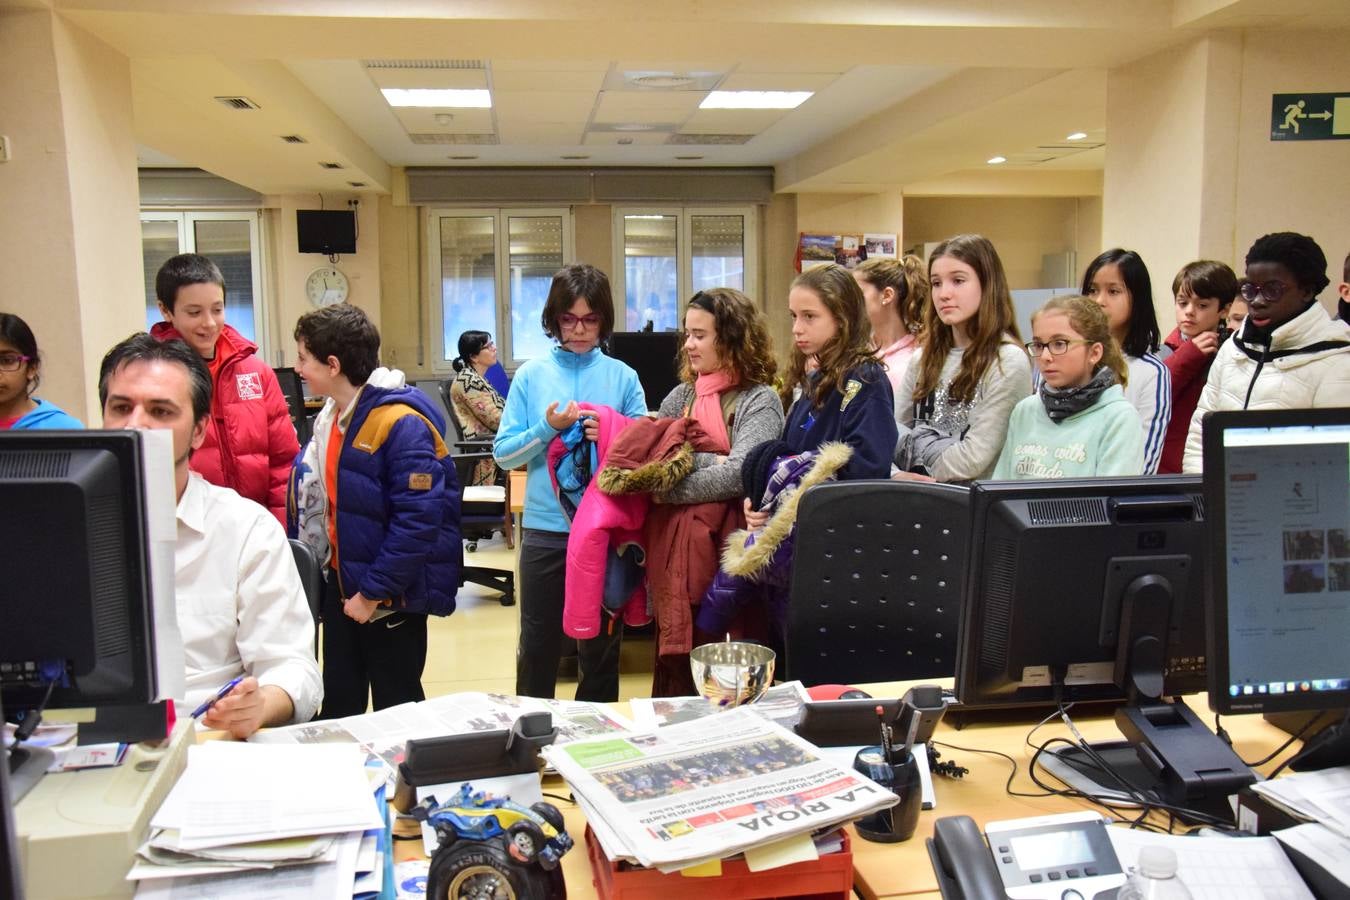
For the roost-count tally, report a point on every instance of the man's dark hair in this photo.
(141, 347)
(344, 331)
(1345, 269)
(1296, 252)
(182, 270)
(580, 281)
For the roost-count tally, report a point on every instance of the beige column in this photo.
(70, 233)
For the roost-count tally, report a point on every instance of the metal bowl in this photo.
(730, 673)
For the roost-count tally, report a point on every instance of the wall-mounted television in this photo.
(326, 231)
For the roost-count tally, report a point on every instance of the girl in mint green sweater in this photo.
(1079, 424)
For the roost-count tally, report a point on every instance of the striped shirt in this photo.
(1150, 393)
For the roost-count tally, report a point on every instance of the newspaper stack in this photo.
(250, 820)
(708, 788)
(384, 735)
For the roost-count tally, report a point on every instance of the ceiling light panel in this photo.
(431, 79)
(755, 99)
(424, 98)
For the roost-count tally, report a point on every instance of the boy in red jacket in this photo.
(250, 442)
(1203, 292)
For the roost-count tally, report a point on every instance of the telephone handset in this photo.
(1060, 857)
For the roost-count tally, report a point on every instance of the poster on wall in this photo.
(882, 245)
(846, 250)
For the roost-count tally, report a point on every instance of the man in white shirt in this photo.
(241, 606)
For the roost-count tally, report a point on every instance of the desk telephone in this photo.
(1060, 857)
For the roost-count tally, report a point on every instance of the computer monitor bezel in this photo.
(1215, 426)
(972, 691)
(126, 446)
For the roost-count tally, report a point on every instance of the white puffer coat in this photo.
(1307, 365)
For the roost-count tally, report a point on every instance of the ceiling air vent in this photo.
(293, 139)
(425, 64)
(709, 138)
(1068, 512)
(237, 102)
(435, 138)
(331, 165)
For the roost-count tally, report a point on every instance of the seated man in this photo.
(241, 606)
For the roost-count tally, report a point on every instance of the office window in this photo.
(491, 270)
(669, 254)
(229, 239)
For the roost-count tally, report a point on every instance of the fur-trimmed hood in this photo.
(748, 553)
(650, 456)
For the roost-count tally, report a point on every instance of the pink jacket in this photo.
(601, 527)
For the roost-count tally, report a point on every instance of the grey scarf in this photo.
(1060, 403)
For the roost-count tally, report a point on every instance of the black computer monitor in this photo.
(75, 596)
(1277, 484)
(654, 355)
(1055, 564)
(1092, 590)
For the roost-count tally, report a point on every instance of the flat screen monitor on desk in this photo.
(1092, 590)
(76, 598)
(1277, 484)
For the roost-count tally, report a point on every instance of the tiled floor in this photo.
(475, 648)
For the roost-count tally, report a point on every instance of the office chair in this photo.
(878, 572)
(312, 578)
(477, 520)
(454, 432)
(293, 389)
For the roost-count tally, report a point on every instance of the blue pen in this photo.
(220, 694)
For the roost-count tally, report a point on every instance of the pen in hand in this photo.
(218, 695)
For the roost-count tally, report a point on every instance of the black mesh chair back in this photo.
(878, 573)
(454, 432)
(312, 579)
(293, 389)
(477, 521)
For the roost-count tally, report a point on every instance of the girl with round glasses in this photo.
(542, 403)
(1288, 354)
(20, 371)
(1119, 282)
(1079, 425)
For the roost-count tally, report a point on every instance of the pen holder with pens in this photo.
(899, 773)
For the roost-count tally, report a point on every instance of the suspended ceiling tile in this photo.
(646, 106)
(732, 121)
(625, 138)
(546, 79)
(545, 133)
(462, 121)
(546, 106)
(776, 81)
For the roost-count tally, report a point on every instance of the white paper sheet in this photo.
(324, 880)
(1220, 868)
(1323, 846)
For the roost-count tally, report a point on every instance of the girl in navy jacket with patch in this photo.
(846, 397)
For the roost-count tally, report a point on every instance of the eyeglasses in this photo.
(569, 321)
(1271, 290)
(1057, 347)
(12, 362)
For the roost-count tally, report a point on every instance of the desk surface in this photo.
(894, 870)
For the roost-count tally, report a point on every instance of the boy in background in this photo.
(1203, 292)
(376, 495)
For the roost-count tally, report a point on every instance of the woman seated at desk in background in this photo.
(476, 404)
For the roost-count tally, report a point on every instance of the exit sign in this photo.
(1310, 117)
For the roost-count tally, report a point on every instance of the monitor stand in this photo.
(26, 766)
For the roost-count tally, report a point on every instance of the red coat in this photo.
(250, 442)
(1190, 369)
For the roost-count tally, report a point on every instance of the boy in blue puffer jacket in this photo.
(376, 495)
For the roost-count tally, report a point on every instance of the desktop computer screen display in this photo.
(76, 599)
(654, 355)
(1278, 489)
(1056, 568)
